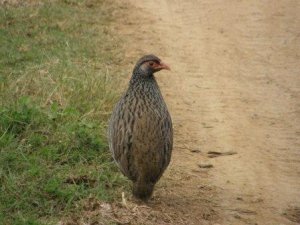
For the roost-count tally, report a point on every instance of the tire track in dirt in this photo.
(234, 86)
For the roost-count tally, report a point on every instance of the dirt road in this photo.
(234, 88)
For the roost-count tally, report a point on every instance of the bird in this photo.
(140, 131)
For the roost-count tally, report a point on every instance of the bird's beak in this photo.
(162, 66)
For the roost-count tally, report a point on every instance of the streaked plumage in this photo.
(140, 129)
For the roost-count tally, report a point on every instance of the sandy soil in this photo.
(234, 88)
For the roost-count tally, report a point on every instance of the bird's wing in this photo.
(120, 138)
(167, 135)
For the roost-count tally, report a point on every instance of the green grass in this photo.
(59, 71)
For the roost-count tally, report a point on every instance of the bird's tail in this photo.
(143, 190)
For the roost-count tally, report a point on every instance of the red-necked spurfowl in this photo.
(140, 130)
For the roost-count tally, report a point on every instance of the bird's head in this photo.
(149, 64)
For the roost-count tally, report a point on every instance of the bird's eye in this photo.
(151, 63)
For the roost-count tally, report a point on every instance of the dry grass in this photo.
(59, 68)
